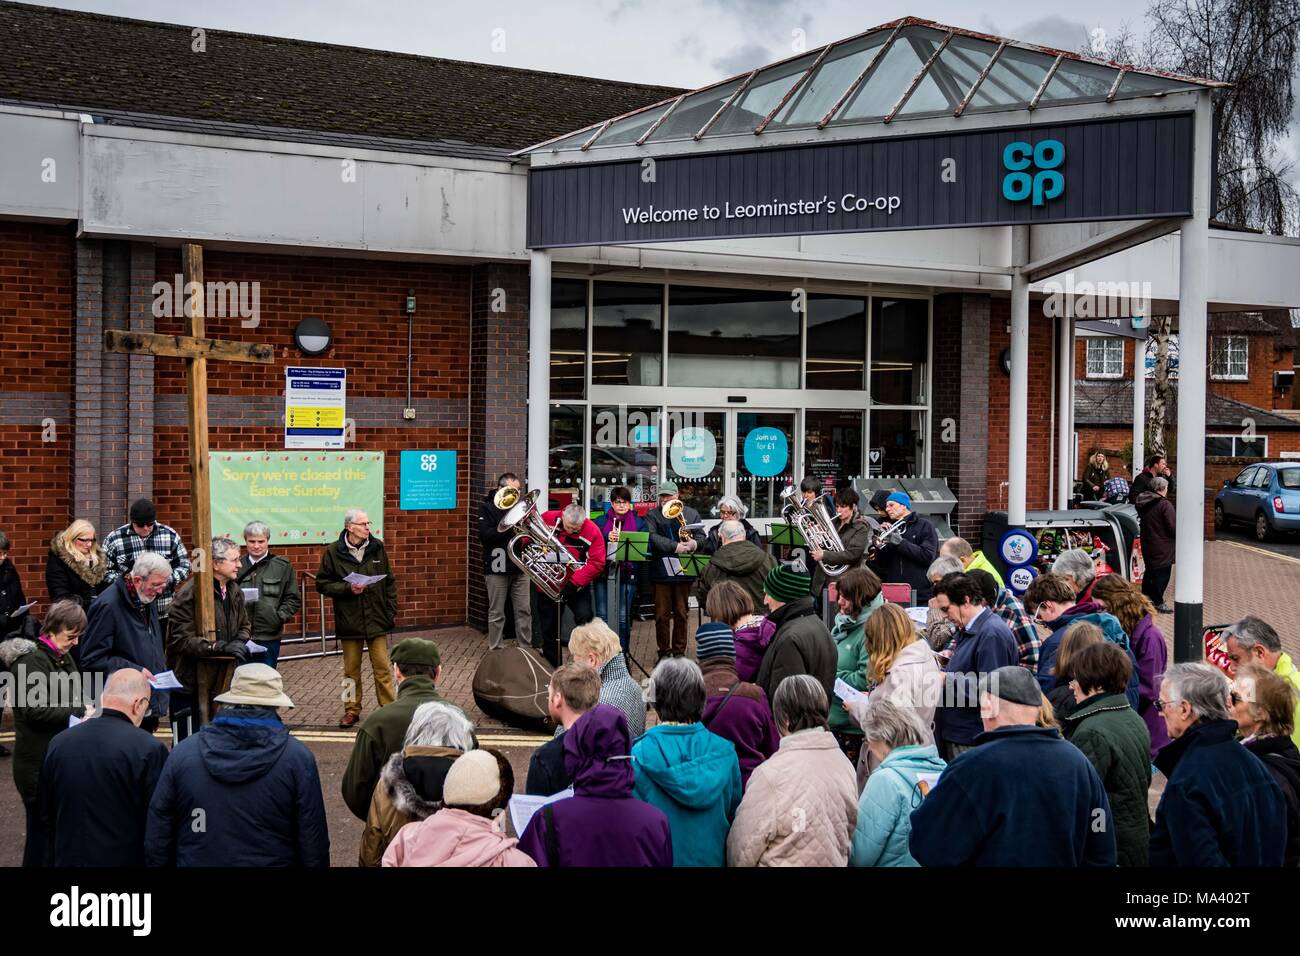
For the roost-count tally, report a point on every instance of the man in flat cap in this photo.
(1021, 797)
(417, 668)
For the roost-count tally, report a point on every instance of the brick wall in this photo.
(961, 374)
(36, 362)
(1041, 437)
(1258, 389)
(1081, 358)
(1113, 442)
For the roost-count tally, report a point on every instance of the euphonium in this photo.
(532, 541)
(815, 527)
(673, 512)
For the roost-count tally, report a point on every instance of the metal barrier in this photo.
(305, 638)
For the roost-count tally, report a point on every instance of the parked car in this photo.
(1265, 496)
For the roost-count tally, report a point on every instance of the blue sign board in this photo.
(766, 452)
(428, 480)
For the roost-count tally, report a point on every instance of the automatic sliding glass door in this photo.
(763, 444)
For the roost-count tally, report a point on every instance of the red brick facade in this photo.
(1041, 439)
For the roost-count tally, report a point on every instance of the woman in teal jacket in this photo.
(895, 789)
(859, 594)
(690, 774)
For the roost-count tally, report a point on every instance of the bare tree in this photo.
(1162, 395)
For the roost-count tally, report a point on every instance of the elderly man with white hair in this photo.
(586, 546)
(1221, 806)
(276, 600)
(362, 613)
(1079, 570)
(123, 629)
(737, 559)
(98, 778)
(1253, 641)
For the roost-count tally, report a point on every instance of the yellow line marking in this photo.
(1266, 553)
(342, 736)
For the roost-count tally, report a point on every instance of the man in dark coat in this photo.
(1156, 467)
(123, 628)
(501, 576)
(98, 780)
(801, 644)
(736, 560)
(907, 561)
(418, 668)
(574, 690)
(1159, 528)
(1023, 797)
(241, 791)
(602, 824)
(11, 591)
(361, 612)
(1221, 806)
(205, 666)
(276, 584)
(671, 591)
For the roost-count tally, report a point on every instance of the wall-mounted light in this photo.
(1004, 360)
(312, 336)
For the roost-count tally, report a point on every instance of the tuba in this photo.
(815, 527)
(673, 512)
(533, 541)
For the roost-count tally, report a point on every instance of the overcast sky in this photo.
(684, 43)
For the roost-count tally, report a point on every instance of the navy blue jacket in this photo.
(1023, 797)
(118, 635)
(1111, 629)
(910, 559)
(1221, 806)
(981, 649)
(251, 791)
(94, 792)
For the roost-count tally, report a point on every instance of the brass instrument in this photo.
(533, 541)
(673, 512)
(815, 527)
(890, 535)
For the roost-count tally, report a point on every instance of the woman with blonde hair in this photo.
(76, 567)
(595, 645)
(1136, 615)
(1077, 637)
(904, 671)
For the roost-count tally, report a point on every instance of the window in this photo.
(568, 338)
(732, 338)
(837, 342)
(897, 443)
(900, 344)
(1228, 357)
(832, 443)
(1105, 358)
(627, 334)
(1234, 446)
(567, 456)
(624, 450)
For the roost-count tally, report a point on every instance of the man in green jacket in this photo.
(417, 667)
(737, 559)
(277, 600)
(361, 612)
(971, 560)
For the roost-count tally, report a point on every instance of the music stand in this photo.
(693, 564)
(631, 546)
(785, 536)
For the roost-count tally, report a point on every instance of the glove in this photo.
(236, 649)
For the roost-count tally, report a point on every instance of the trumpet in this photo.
(673, 512)
(881, 538)
(533, 541)
(815, 527)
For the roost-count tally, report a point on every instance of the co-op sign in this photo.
(1132, 168)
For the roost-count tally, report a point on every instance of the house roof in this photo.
(1099, 404)
(902, 70)
(130, 70)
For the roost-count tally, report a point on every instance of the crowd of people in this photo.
(992, 730)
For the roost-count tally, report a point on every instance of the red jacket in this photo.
(587, 546)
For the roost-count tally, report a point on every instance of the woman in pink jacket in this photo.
(468, 830)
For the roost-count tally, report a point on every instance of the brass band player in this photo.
(582, 539)
(670, 535)
(855, 533)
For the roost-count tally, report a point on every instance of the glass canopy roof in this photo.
(908, 69)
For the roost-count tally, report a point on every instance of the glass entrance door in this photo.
(763, 446)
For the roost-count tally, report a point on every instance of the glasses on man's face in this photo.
(1162, 704)
(1235, 698)
(728, 511)
(361, 524)
(150, 588)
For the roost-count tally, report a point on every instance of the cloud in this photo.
(743, 58)
(1059, 32)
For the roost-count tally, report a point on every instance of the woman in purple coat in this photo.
(620, 517)
(602, 824)
(1137, 616)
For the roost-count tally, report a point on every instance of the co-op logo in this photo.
(1046, 181)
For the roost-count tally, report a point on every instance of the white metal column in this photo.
(1064, 399)
(1139, 406)
(1193, 285)
(1018, 419)
(539, 369)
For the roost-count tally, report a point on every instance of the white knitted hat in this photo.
(473, 780)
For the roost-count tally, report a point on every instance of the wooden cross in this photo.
(196, 350)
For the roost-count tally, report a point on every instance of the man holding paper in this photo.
(188, 650)
(270, 590)
(354, 571)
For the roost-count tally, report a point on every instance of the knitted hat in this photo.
(143, 513)
(786, 585)
(474, 779)
(714, 639)
(900, 498)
